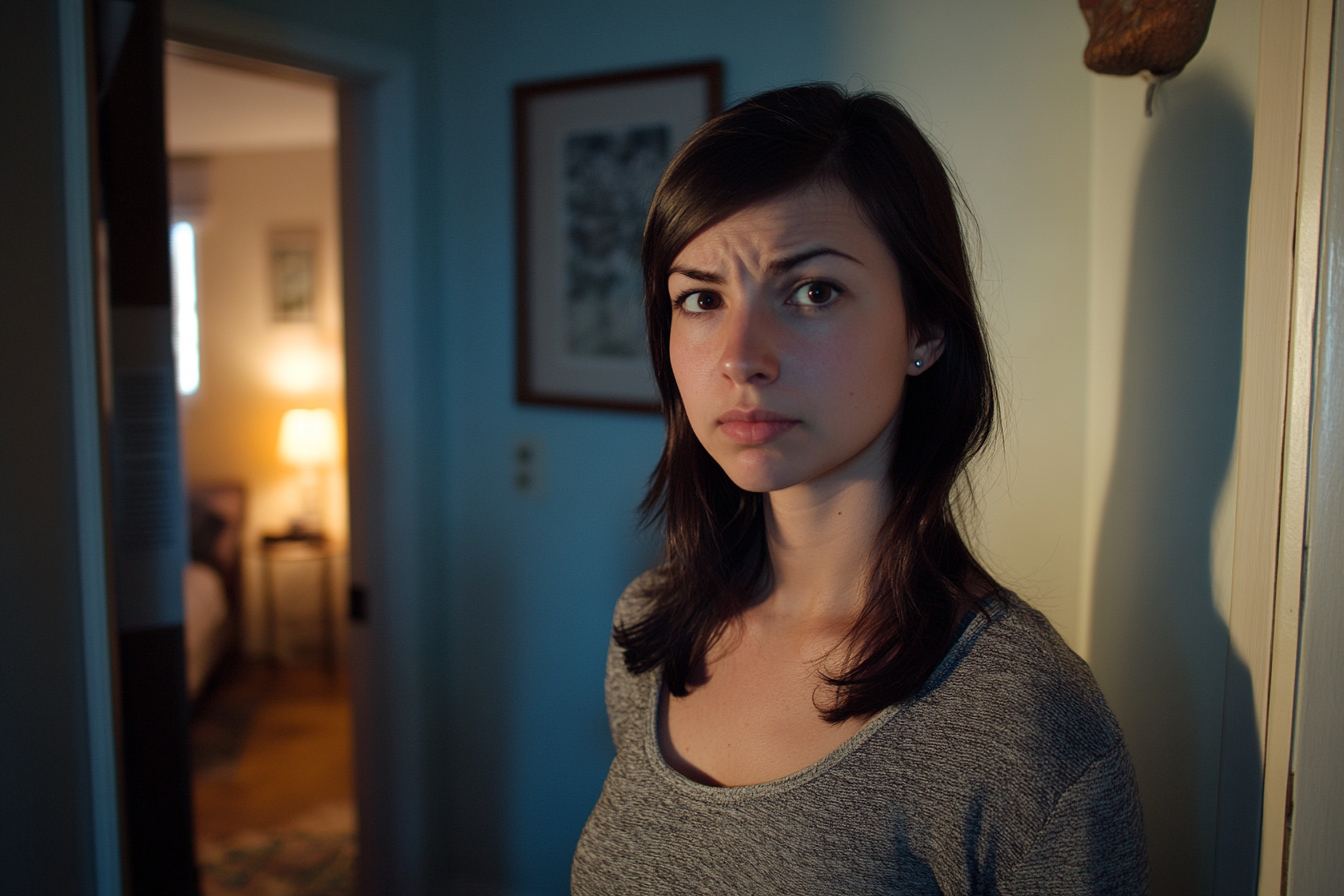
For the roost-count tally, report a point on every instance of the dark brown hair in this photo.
(923, 576)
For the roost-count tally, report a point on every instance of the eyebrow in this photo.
(702, 276)
(775, 268)
(789, 262)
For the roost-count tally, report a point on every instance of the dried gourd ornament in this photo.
(1157, 37)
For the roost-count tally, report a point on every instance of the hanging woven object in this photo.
(1154, 36)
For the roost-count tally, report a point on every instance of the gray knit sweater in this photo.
(1005, 774)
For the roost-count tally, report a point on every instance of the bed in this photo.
(212, 594)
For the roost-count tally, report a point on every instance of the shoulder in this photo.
(628, 695)
(1025, 742)
(1090, 834)
(635, 601)
(1015, 672)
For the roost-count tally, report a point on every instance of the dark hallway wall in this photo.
(57, 778)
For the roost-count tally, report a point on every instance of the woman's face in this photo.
(789, 341)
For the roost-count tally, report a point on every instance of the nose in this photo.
(750, 351)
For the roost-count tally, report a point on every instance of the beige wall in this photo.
(1121, 137)
(248, 376)
(1168, 220)
(1112, 276)
(1001, 88)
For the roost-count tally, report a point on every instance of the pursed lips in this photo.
(754, 427)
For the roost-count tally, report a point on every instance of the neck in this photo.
(820, 538)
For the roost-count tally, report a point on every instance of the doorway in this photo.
(258, 327)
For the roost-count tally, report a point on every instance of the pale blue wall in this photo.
(519, 592)
(534, 582)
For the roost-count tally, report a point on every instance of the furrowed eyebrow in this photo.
(788, 263)
(702, 276)
(777, 267)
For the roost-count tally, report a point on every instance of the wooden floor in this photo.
(271, 744)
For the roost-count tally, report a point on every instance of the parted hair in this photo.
(923, 577)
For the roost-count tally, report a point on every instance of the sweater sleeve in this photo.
(625, 693)
(1093, 840)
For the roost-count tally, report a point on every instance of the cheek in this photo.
(866, 379)
(688, 361)
(682, 359)
(680, 362)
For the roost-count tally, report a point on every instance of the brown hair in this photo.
(920, 584)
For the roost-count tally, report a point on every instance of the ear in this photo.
(926, 347)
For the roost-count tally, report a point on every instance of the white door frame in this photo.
(377, 126)
(1273, 425)
(1313, 862)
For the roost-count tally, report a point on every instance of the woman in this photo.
(821, 690)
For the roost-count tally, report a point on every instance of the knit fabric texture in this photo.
(1005, 774)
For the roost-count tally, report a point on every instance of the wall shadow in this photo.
(469, 728)
(518, 725)
(1160, 645)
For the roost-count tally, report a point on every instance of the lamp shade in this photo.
(308, 437)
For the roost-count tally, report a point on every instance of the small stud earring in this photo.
(919, 363)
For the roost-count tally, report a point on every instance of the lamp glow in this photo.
(298, 369)
(308, 438)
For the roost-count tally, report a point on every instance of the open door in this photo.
(257, 300)
(378, 237)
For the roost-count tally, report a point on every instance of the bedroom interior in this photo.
(258, 330)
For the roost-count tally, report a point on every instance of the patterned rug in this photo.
(314, 855)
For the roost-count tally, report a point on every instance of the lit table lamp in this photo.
(308, 441)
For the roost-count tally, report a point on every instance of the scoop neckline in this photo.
(971, 627)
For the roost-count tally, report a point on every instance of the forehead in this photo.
(807, 218)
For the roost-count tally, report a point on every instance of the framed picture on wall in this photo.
(588, 153)
(293, 275)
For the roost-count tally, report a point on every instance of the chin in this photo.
(754, 484)
(757, 477)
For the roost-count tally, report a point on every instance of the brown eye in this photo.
(814, 294)
(697, 302)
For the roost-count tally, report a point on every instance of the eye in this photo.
(698, 302)
(814, 294)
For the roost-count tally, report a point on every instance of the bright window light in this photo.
(186, 326)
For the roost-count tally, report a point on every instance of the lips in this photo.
(754, 427)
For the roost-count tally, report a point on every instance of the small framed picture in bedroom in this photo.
(293, 275)
(588, 153)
